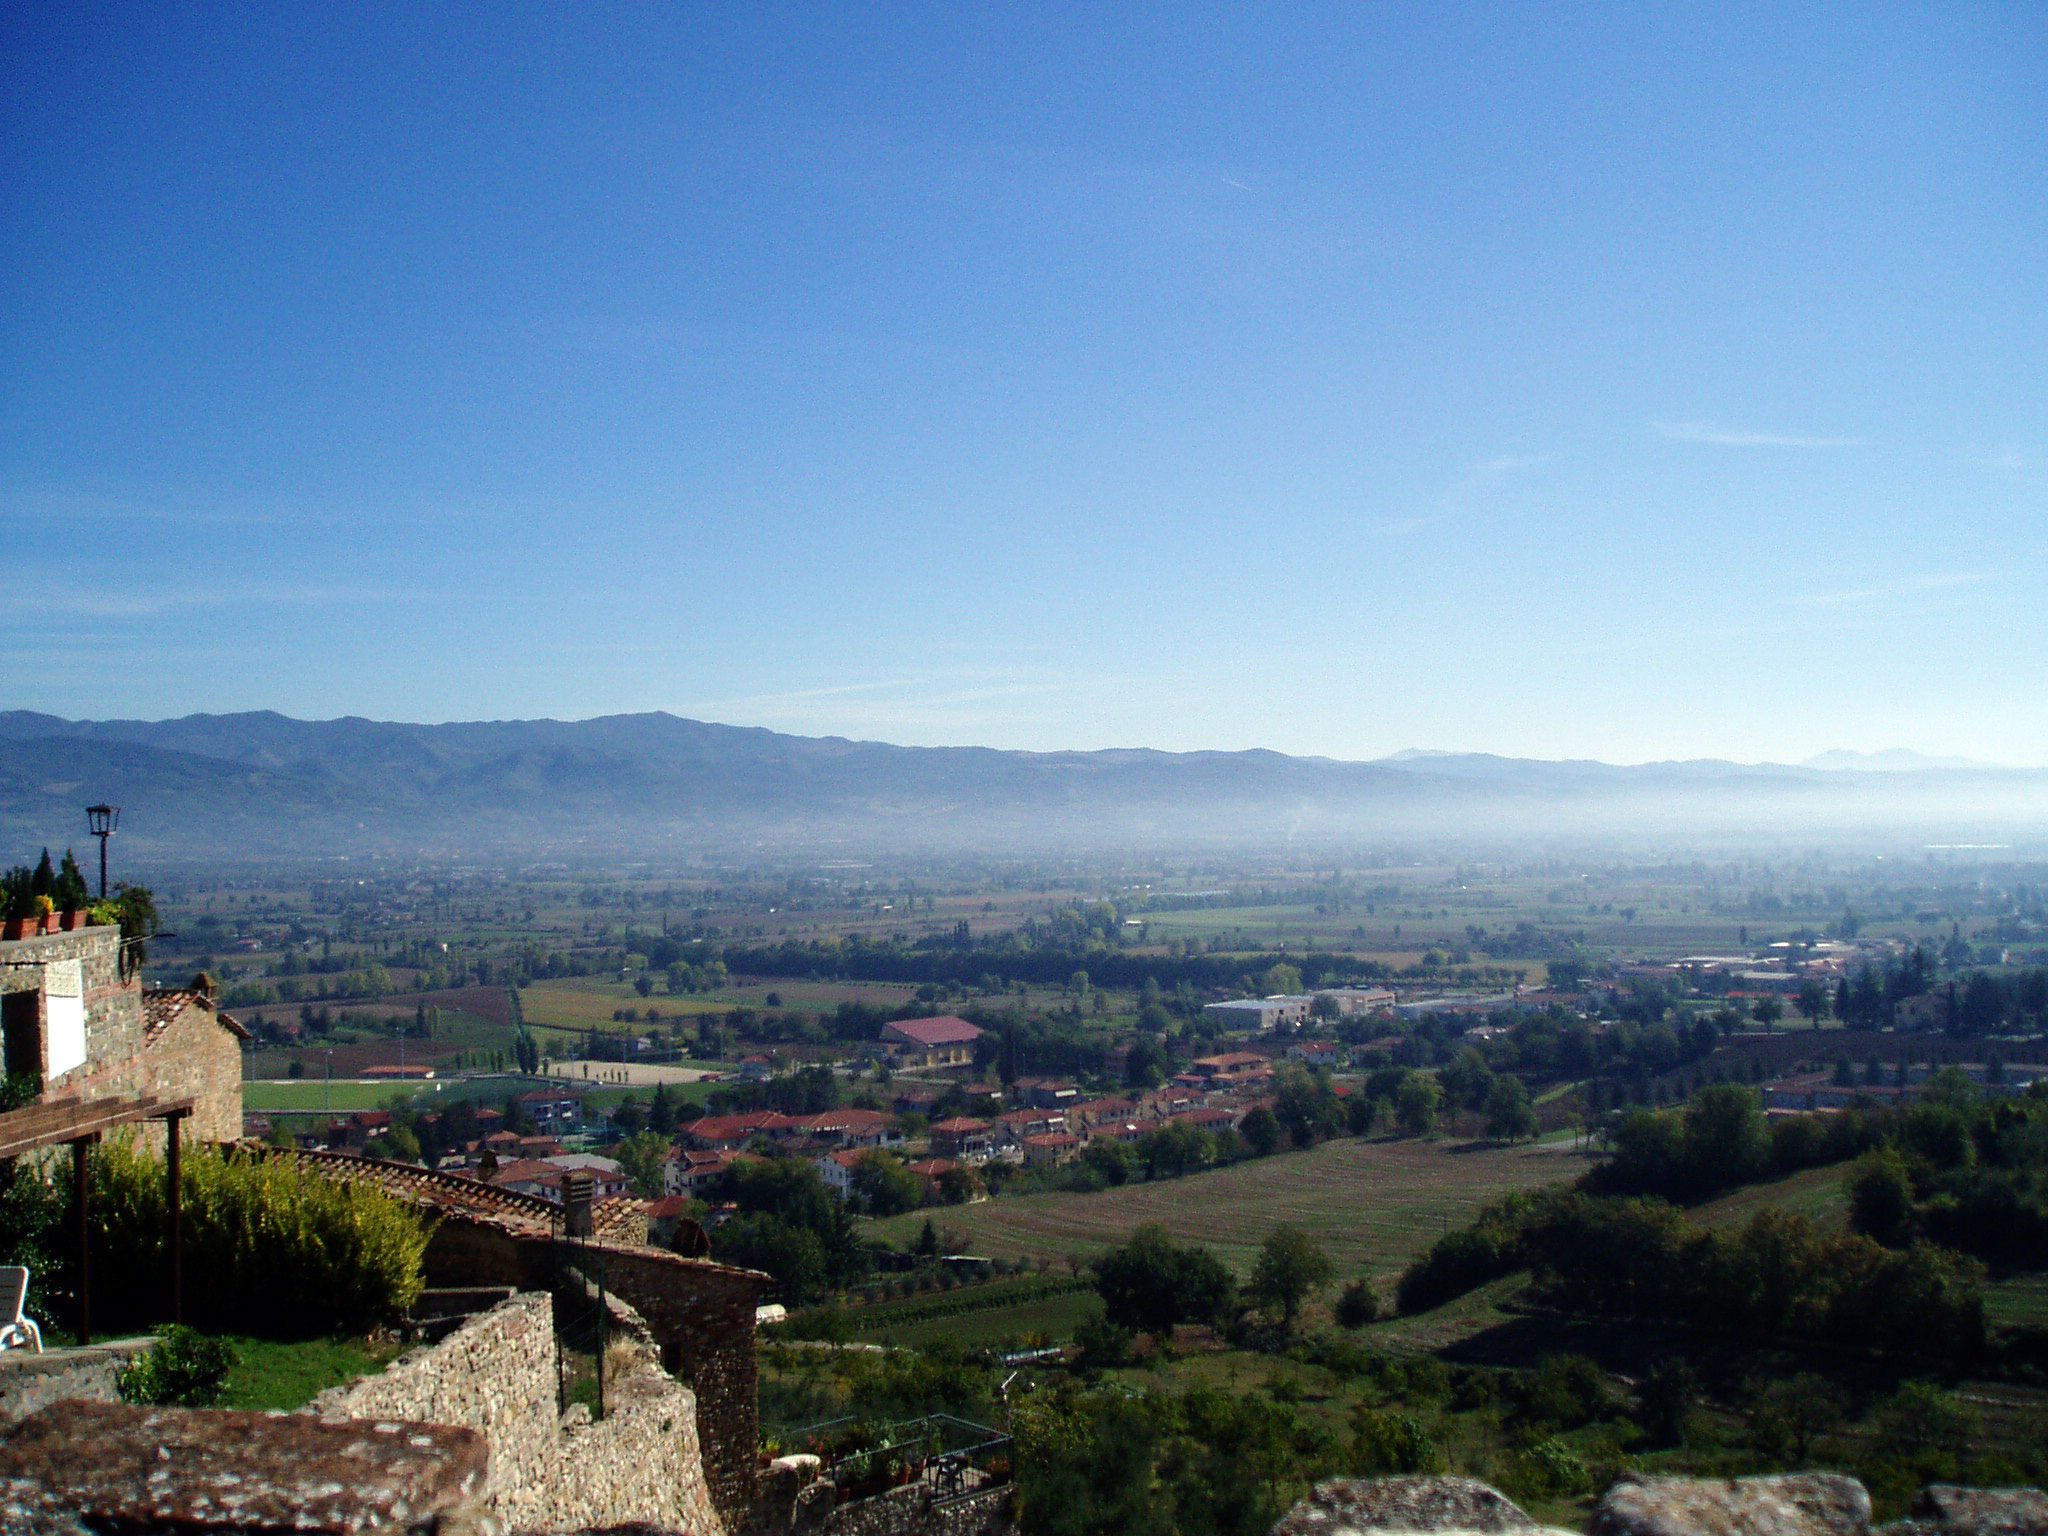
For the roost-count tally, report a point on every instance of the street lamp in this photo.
(102, 820)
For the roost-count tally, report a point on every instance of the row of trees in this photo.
(1780, 1274)
(1955, 1166)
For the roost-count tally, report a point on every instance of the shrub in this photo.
(1384, 1443)
(1549, 1470)
(1456, 1263)
(186, 1369)
(271, 1247)
(1357, 1305)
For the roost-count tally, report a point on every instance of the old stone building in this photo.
(77, 1021)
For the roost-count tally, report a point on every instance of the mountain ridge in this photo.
(261, 780)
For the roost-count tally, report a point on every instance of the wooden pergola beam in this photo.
(80, 1123)
(52, 1125)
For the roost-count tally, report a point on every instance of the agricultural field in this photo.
(1373, 1205)
(584, 1003)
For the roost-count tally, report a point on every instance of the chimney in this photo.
(578, 1186)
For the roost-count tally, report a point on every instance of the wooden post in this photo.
(175, 1199)
(82, 1222)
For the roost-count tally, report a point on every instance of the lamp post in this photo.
(102, 820)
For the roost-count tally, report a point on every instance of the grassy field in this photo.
(1812, 1192)
(308, 1095)
(1374, 1205)
(311, 1095)
(586, 1002)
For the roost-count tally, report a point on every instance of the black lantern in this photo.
(102, 820)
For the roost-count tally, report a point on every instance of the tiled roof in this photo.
(617, 1220)
(844, 1120)
(947, 1029)
(161, 1005)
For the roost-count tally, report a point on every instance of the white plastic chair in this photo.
(16, 1330)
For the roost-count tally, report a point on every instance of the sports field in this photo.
(1373, 1205)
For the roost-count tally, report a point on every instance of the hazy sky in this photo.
(1567, 380)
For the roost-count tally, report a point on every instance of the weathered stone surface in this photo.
(1446, 1506)
(1795, 1504)
(1948, 1509)
(554, 1472)
(29, 1381)
(81, 1465)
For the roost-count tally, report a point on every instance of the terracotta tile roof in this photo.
(162, 1005)
(947, 1029)
(844, 1120)
(618, 1220)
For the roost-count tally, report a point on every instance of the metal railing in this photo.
(939, 1454)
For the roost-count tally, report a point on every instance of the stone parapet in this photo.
(1791, 1504)
(82, 1467)
(30, 1381)
(1404, 1506)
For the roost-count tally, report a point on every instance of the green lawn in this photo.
(310, 1095)
(268, 1374)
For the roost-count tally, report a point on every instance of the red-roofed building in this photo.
(961, 1137)
(1017, 1124)
(1051, 1149)
(1233, 1069)
(851, 1128)
(731, 1132)
(945, 1041)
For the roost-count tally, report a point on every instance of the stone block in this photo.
(1948, 1509)
(1792, 1504)
(1396, 1506)
(98, 1466)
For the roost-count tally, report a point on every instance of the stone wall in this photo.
(549, 1472)
(910, 1513)
(1786, 1504)
(195, 1055)
(699, 1314)
(29, 1381)
(113, 1006)
(172, 1044)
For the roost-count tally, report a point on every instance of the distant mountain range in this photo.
(265, 785)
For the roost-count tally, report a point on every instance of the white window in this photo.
(63, 1017)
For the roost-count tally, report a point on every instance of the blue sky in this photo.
(1561, 380)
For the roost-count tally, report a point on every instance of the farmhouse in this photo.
(945, 1041)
